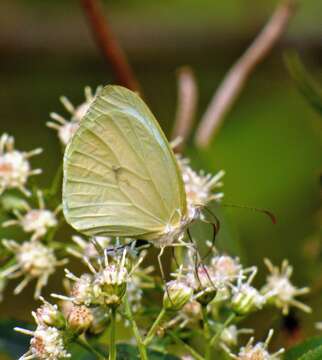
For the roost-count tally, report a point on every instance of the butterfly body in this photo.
(120, 175)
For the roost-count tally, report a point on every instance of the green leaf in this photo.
(315, 354)
(311, 89)
(12, 343)
(130, 352)
(304, 349)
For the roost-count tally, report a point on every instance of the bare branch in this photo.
(187, 104)
(236, 78)
(108, 44)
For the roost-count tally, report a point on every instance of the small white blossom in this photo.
(284, 292)
(47, 343)
(199, 187)
(36, 221)
(177, 294)
(49, 315)
(66, 128)
(258, 351)
(229, 336)
(14, 165)
(246, 298)
(33, 260)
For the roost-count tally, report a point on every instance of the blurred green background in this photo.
(269, 146)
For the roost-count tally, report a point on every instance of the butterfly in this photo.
(121, 177)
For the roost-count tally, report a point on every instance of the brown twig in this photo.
(236, 78)
(187, 104)
(108, 44)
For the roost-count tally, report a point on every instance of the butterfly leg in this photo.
(216, 228)
(198, 261)
(162, 272)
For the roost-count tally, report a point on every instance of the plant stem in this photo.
(84, 344)
(187, 347)
(216, 337)
(112, 347)
(154, 328)
(207, 334)
(139, 342)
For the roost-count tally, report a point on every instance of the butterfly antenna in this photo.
(252, 208)
(216, 227)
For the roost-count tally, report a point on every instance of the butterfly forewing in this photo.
(120, 174)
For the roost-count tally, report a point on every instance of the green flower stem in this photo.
(207, 333)
(187, 347)
(139, 342)
(112, 347)
(216, 337)
(84, 344)
(154, 327)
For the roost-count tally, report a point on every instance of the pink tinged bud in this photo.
(79, 319)
(177, 295)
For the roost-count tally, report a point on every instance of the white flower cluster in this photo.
(224, 283)
(14, 165)
(67, 127)
(33, 260)
(35, 221)
(257, 351)
(200, 187)
(106, 285)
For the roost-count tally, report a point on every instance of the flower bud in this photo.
(177, 295)
(110, 284)
(79, 318)
(49, 315)
(246, 299)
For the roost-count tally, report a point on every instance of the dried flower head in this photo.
(14, 165)
(36, 221)
(66, 128)
(283, 291)
(257, 351)
(33, 260)
(47, 343)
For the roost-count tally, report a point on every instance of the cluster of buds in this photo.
(14, 165)
(35, 221)
(55, 330)
(67, 127)
(33, 260)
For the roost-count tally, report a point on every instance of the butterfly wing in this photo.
(120, 174)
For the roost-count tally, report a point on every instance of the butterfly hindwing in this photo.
(120, 175)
